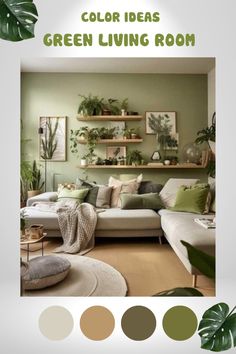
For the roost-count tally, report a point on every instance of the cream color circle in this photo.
(56, 323)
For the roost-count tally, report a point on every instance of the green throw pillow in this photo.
(192, 199)
(77, 194)
(141, 201)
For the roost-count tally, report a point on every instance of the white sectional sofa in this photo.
(115, 222)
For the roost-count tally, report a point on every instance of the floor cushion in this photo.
(45, 271)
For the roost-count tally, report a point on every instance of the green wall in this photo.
(45, 94)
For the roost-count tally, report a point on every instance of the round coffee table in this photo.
(27, 241)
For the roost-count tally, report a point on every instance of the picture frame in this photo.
(120, 127)
(153, 118)
(115, 152)
(52, 138)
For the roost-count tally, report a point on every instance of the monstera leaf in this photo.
(217, 328)
(180, 292)
(201, 260)
(17, 19)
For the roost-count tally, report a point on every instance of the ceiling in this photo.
(119, 65)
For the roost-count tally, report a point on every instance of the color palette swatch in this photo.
(138, 323)
(97, 323)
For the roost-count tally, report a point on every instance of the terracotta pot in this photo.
(33, 193)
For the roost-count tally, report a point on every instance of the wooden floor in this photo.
(147, 266)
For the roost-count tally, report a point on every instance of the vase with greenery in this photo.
(90, 105)
(134, 157)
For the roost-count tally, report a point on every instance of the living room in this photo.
(133, 92)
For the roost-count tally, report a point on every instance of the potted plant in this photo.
(90, 105)
(107, 133)
(134, 157)
(22, 221)
(135, 133)
(208, 135)
(124, 106)
(113, 106)
(36, 184)
(26, 176)
(91, 135)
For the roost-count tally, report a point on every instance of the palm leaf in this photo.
(217, 328)
(17, 19)
(180, 292)
(202, 261)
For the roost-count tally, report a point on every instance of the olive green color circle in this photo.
(180, 323)
(138, 323)
(97, 323)
(56, 323)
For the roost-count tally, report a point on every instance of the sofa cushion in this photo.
(130, 186)
(141, 201)
(118, 219)
(169, 191)
(98, 195)
(181, 226)
(45, 271)
(149, 187)
(192, 199)
(70, 194)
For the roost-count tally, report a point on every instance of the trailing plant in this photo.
(90, 105)
(91, 135)
(36, 183)
(134, 156)
(49, 141)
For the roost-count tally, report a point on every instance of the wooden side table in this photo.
(28, 242)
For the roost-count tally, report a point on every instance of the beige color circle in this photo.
(56, 323)
(97, 323)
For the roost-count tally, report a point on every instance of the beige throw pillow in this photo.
(130, 187)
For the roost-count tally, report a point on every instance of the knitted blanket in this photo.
(77, 224)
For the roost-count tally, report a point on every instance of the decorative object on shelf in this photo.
(166, 162)
(52, 132)
(107, 133)
(34, 232)
(134, 157)
(119, 128)
(116, 152)
(83, 161)
(163, 124)
(91, 105)
(191, 153)
(156, 156)
(173, 160)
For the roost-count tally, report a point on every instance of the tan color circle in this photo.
(56, 323)
(97, 323)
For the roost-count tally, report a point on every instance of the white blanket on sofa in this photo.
(77, 224)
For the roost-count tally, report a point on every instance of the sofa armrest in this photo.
(44, 197)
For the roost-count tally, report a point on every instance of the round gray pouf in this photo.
(45, 271)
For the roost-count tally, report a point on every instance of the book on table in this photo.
(206, 223)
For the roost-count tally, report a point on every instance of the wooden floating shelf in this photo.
(180, 166)
(108, 118)
(113, 141)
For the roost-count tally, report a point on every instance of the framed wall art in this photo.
(52, 138)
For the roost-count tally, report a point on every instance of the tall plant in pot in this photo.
(36, 183)
(90, 105)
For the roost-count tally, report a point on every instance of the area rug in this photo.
(87, 277)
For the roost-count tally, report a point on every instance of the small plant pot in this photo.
(133, 136)
(83, 162)
(123, 113)
(33, 193)
(166, 162)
